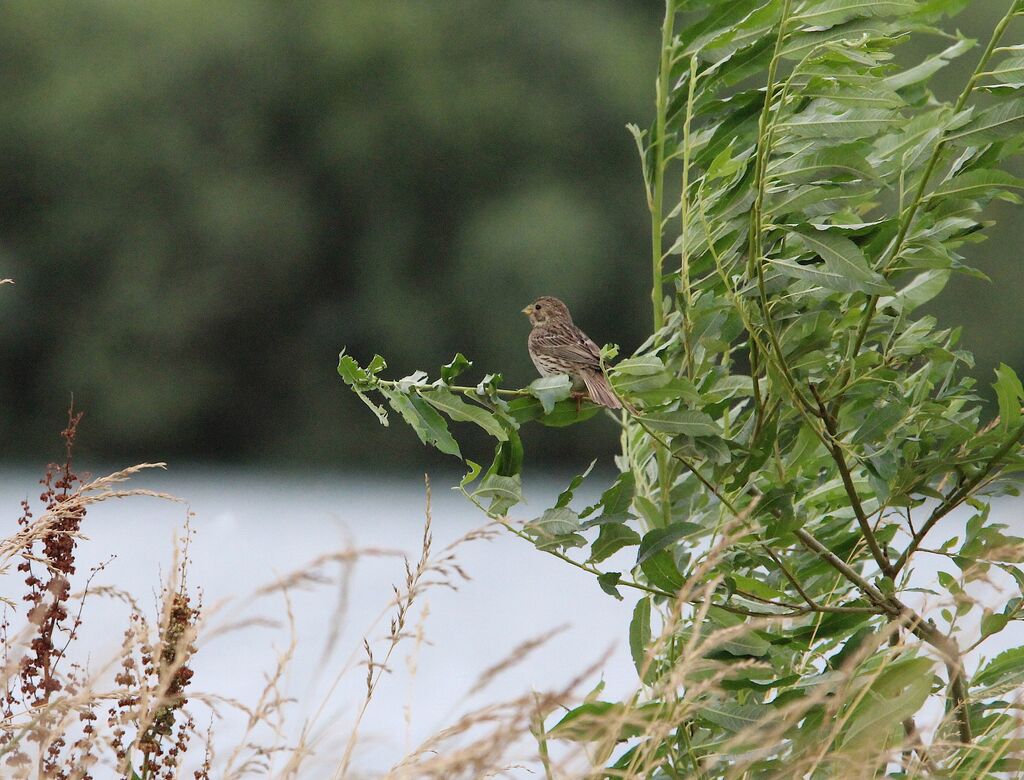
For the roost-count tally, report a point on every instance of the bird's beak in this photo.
(527, 310)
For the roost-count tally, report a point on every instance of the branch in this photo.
(837, 563)
(463, 389)
(922, 629)
(957, 497)
(811, 603)
(689, 466)
(836, 450)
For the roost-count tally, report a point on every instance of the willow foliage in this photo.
(800, 428)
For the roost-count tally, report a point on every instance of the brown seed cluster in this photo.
(47, 579)
(49, 727)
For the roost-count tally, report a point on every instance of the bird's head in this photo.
(547, 309)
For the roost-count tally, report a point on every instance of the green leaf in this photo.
(1001, 121)
(616, 500)
(471, 475)
(504, 492)
(882, 416)
(566, 495)
(602, 720)
(978, 182)
(642, 365)
(828, 13)
(921, 289)
(445, 401)
(1010, 71)
(640, 635)
(550, 389)
(817, 164)
(927, 68)
(685, 421)
(508, 455)
(586, 722)
(731, 716)
(1005, 669)
(566, 413)
(558, 521)
(660, 538)
(993, 623)
(612, 538)
(801, 44)
(661, 570)
(830, 120)
(428, 424)
(894, 695)
(749, 644)
(458, 364)
(754, 586)
(1010, 393)
(638, 374)
(609, 582)
(846, 267)
(1016, 573)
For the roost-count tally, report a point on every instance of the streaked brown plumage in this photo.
(557, 346)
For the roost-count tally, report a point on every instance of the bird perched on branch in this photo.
(557, 346)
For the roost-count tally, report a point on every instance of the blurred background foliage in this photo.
(202, 202)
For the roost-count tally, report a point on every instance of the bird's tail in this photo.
(599, 391)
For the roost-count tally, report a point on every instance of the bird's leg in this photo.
(578, 395)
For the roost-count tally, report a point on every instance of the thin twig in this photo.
(836, 451)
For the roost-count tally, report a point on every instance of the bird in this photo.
(557, 346)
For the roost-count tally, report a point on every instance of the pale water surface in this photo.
(252, 527)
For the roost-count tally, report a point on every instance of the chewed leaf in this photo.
(360, 380)
(566, 495)
(458, 364)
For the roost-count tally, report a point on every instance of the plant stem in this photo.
(684, 211)
(836, 450)
(658, 146)
(456, 389)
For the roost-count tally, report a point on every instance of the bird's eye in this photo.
(536, 306)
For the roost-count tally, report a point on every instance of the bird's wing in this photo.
(569, 344)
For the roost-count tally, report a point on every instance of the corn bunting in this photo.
(557, 346)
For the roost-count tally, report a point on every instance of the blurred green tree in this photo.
(202, 200)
